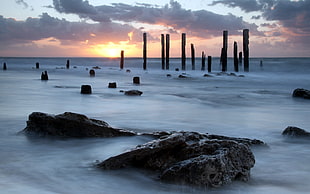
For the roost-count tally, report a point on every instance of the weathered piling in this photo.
(246, 49)
(4, 66)
(136, 80)
(144, 51)
(224, 51)
(236, 65)
(183, 51)
(92, 73)
(121, 65)
(193, 56)
(44, 76)
(203, 61)
(37, 65)
(240, 58)
(112, 85)
(86, 89)
(167, 50)
(163, 51)
(68, 64)
(209, 63)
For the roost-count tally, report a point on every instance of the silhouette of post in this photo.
(203, 61)
(224, 51)
(68, 64)
(236, 67)
(37, 65)
(240, 58)
(167, 50)
(183, 51)
(162, 51)
(121, 65)
(193, 56)
(209, 63)
(4, 66)
(246, 49)
(144, 51)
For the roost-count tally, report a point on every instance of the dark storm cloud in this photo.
(45, 26)
(294, 16)
(203, 23)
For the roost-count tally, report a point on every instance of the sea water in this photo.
(256, 104)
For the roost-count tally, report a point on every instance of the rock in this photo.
(190, 158)
(70, 125)
(295, 132)
(133, 93)
(207, 75)
(86, 89)
(112, 85)
(183, 76)
(4, 66)
(303, 93)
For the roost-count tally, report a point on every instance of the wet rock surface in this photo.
(302, 93)
(191, 158)
(292, 131)
(70, 125)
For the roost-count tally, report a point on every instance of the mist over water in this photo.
(258, 105)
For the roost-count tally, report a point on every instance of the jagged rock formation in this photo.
(71, 125)
(191, 158)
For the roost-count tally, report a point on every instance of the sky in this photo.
(102, 28)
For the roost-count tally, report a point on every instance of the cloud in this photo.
(34, 29)
(202, 23)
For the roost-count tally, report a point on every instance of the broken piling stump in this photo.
(86, 89)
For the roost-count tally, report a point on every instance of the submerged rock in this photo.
(191, 158)
(303, 93)
(133, 93)
(70, 125)
(291, 131)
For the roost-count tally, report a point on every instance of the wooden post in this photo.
(4, 66)
(203, 61)
(121, 65)
(246, 49)
(68, 64)
(240, 57)
(224, 51)
(136, 80)
(209, 63)
(193, 56)
(167, 50)
(37, 65)
(162, 51)
(144, 51)
(236, 67)
(183, 51)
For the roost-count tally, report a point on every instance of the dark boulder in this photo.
(190, 158)
(291, 131)
(70, 125)
(133, 93)
(303, 93)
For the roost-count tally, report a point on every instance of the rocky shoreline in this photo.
(178, 157)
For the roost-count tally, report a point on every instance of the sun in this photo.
(111, 52)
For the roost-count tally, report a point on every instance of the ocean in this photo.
(256, 104)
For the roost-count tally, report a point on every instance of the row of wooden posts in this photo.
(165, 53)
